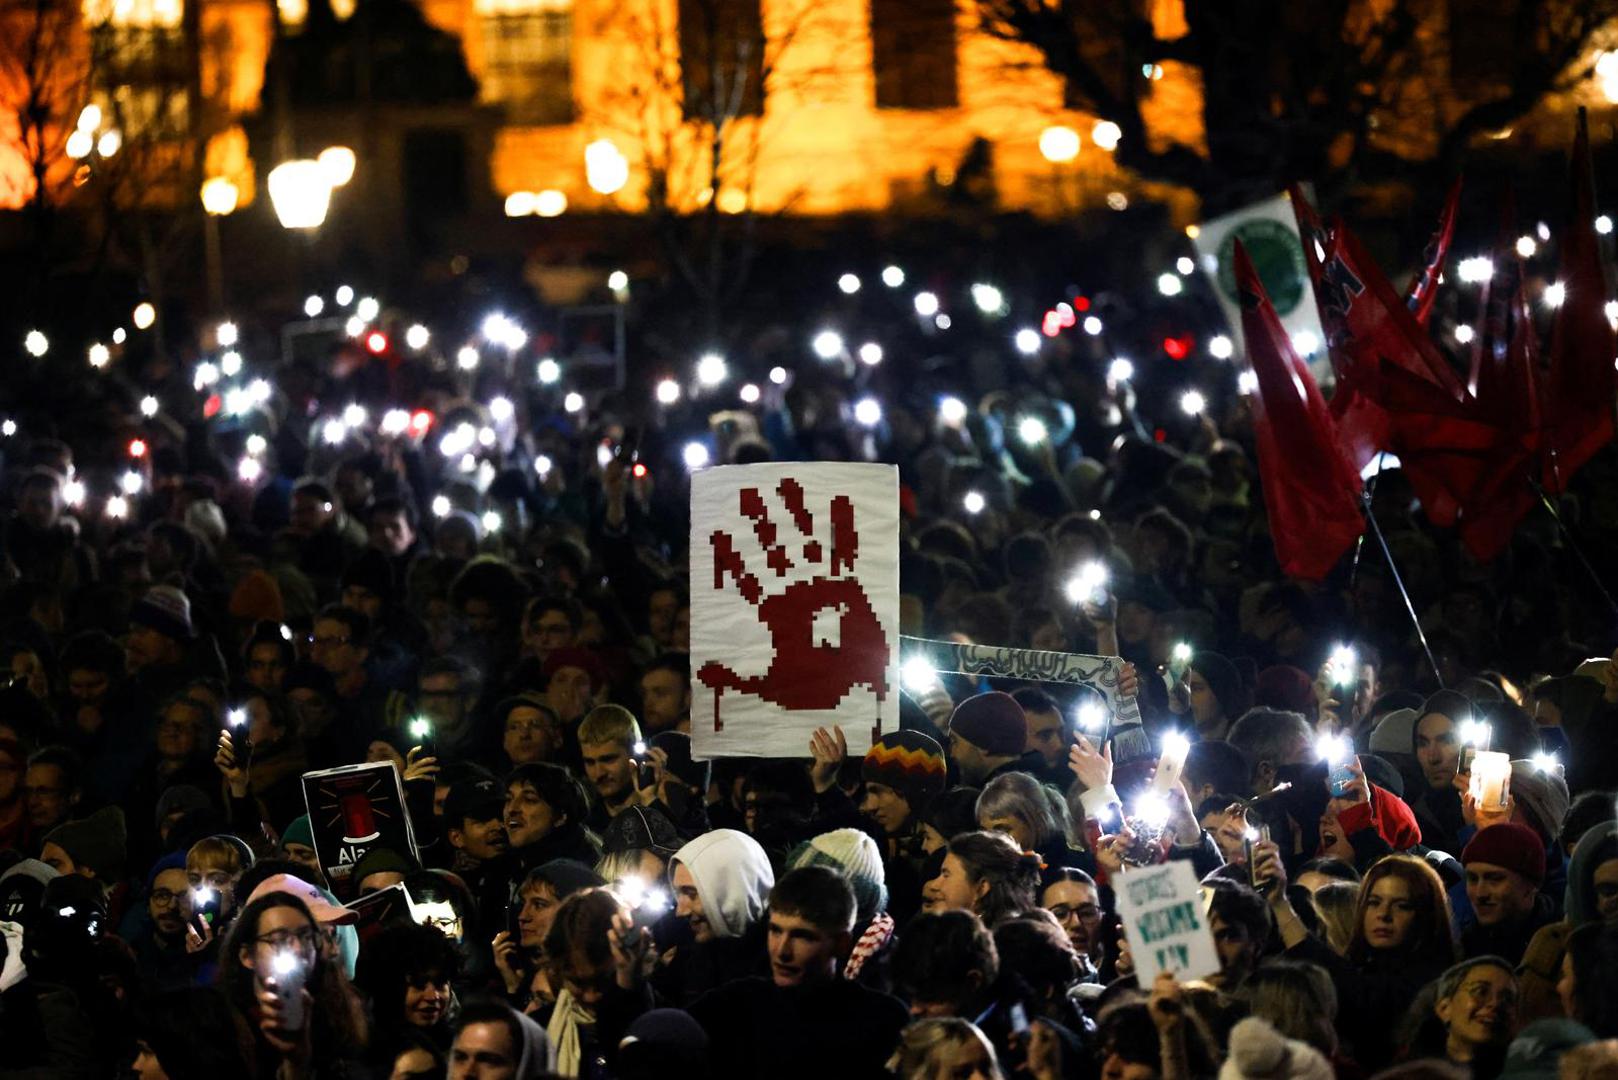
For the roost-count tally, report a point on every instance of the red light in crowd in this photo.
(1160, 435)
(639, 471)
(376, 341)
(211, 407)
(1081, 303)
(137, 448)
(420, 421)
(1065, 316)
(1052, 325)
(1177, 348)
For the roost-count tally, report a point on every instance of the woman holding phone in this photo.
(1401, 941)
(303, 1013)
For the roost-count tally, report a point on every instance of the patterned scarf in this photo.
(876, 935)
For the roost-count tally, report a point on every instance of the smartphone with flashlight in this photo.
(238, 735)
(205, 906)
(288, 973)
(647, 774)
(647, 904)
(421, 730)
(1341, 779)
(1251, 836)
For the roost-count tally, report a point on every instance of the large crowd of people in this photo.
(482, 584)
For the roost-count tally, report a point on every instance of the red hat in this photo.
(583, 659)
(1284, 687)
(1511, 845)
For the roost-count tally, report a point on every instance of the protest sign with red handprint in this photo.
(794, 605)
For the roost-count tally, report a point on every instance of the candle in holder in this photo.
(1491, 773)
(1171, 762)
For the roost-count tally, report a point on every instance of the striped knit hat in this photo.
(910, 763)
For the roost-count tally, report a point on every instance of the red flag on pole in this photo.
(1311, 493)
(1424, 287)
(1580, 388)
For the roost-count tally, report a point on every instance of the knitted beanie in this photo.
(1259, 1052)
(165, 609)
(1393, 734)
(257, 598)
(910, 763)
(855, 855)
(383, 860)
(992, 722)
(1542, 796)
(97, 842)
(298, 831)
(1511, 845)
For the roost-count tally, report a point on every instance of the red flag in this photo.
(1424, 288)
(1311, 493)
(1580, 387)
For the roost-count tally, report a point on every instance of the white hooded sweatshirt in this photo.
(733, 877)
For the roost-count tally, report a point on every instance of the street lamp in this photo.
(300, 191)
(337, 162)
(219, 197)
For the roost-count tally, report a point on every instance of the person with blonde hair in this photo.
(941, 1049)
(1335, 906)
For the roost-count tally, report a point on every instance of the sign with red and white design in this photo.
(352, 809)
(794, 606)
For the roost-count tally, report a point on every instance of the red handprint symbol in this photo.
(804, 673)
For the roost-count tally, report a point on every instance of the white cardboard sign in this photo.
(794, 606)
(1162, 912)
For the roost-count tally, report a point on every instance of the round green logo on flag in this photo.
(1276, 255)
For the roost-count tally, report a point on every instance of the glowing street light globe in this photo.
(849, 284)
(300, 191)
(893, 277)
(606, 169)
(337, 164)
(1058, 144)
(144, 316)
(36, 343)
(220, 196)
(1106, 134)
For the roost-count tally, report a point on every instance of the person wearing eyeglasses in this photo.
(156, 932)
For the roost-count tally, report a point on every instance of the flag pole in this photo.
(1398, 579)
(1359, 544)
(1572, 544)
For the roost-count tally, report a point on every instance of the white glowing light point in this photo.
(1092, 717)
(695, 455)
(144, 316)
(1549, 764)
(988, 298)
(868, 411)
(1477, 269)
(354, 415)
(334, 431)
(973, 502)
(231, 363)
(617, 281)
(117, 507)
(1092, 325)
(941, 321)
(1169, 284)
(1121, 369)
(118, 336)
(73, 493)
(1464, 334)
(1603, 224)
(778, 375)
(893, 277)
(926, 304)
(1185, 265)
(258, 391)
(148, 406)
(870, 354)
(918, 675)
(226, 334)
(36, 343)
(1247, 382)
(1333, 749)
(574, 402)
(1526, 247)
(1106, 134)
(8, 428)
(849, 283)
(749, 393)
(237, 401)
(248, 470)
(368, 308)
(491, 521)
(466, 358)
(131, 482)
(417, 336)
(1027, 341)
(604, 454)
(548, 371)
(441, 506)
(1058, 144)
(1153, 810)
(1032, 430)
(1554, 294)
(256, 444)
(354, 327)
(1192, 403)
(1307, 342)
(502, 410)
(828, 344)
(395, 422)
(313, 306)
(711, 369)
(952, 410)
(668, 392)
(1221, 347)
(543, 465)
